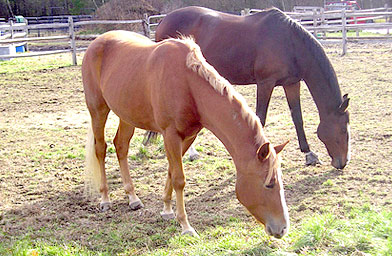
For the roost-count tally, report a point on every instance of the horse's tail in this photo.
(93, 169)
(149, 136)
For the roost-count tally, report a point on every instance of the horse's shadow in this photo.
(304, 188)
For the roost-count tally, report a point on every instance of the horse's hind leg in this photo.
(98, 119)
(121, 142)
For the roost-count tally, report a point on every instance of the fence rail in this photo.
(57, 19)
(316, 22)
(71, 37)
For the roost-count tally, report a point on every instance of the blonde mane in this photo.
(196, 62)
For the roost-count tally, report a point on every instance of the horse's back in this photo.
(135, 77)
(106, 52)
(188, 21)
(237, 46)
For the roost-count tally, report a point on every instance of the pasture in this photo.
(44, 210)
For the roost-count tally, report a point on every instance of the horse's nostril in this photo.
(269, 230)
(338, 163)
(284, 229)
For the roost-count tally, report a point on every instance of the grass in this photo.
(43, 210)
(36, 63)
(354, 33)
(27, 247)
(363, 229)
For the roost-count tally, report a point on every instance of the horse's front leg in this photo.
(264, 91)
(167, 212)
(175, 148)
(293, 98)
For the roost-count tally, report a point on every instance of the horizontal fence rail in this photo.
(71, 37)
(57, 19)
(319, 22)
(313, 19)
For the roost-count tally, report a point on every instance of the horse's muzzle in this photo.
(339, 163)
(277, 231)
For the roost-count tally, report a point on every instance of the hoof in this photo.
(103, 207)
(136, 205)
(190, 232)
(312, 159)
(194, 157)
(193, 154)
(168, 216)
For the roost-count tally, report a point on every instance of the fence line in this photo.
(314, 22)
(71, 37)
(57, 19)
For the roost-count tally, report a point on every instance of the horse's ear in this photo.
(263, 151)
(343, 107)
(280, 147)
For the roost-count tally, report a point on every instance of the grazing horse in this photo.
(270, 49)
(168, 87)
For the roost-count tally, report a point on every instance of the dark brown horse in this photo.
(270, 49)
(169, 88)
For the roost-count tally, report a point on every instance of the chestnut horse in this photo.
(169, 88)
(270, 49)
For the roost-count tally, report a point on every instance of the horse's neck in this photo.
(226, 120)
(322, 83)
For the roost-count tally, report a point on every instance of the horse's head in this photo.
(334, 132)
(259, 188)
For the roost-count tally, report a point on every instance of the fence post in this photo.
(323, 21)
(146, 25)
(387, 18)
(315, 22)
(356, 22)
(72, 40)
(12, 29)
(27, 35)
(344, 32)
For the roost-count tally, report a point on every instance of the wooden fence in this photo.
(317, 22)
(57, 19)
(15, 30)
(71, 37)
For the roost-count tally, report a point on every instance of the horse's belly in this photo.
(233, 65)
(131, 105)
(136, 117)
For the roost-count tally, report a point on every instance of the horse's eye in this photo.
(271, 184)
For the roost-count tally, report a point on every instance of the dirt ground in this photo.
(43, 121)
